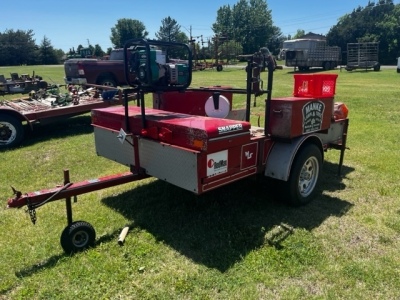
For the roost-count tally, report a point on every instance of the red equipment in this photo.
(199, 153)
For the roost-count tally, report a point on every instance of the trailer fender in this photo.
(279, 161)
(16, 114)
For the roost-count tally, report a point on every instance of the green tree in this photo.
(17, 47)
(248, 22)
(170, 31)
(47, 54)
(299, 33)
(377, 22)
(60, 54)
(98, 52)
(127, 29)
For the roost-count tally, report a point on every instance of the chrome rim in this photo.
(308, 176)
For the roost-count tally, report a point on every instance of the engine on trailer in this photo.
(153, 67)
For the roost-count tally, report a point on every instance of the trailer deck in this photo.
(49, 105)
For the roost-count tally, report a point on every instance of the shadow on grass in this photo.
(55, 259)
(58, 129)
(221, 227)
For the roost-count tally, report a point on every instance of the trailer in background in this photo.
(49, 105)
(363, 56)
(310, 53)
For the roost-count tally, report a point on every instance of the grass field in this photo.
(237, 242)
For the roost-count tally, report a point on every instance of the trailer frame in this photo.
(295, 160)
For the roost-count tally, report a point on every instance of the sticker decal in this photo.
(313, 114)
(229, 128)
(249, 156)
(217, 163)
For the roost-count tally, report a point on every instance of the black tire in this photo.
(327, 66)
(377, 67)
(107, 81)
(303, 182)
(78, 236)
(43, 84)
(219, 68)
(11, 131)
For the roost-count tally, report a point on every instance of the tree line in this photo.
(242, 28)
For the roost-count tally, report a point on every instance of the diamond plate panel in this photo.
(175, 165)
(108, 145)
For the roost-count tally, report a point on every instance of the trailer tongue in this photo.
(212, 147)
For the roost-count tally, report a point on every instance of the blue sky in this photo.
(70, 23)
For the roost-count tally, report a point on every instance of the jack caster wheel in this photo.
(77, 236)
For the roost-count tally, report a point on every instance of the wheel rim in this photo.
(8, 132)
(80, 239)
(308, 176)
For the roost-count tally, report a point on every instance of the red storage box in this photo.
(315, 85)
(295, 116)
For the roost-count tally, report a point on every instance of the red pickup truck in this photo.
(109, 72)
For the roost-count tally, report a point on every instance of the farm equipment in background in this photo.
(363, 56)
(81, 53)
(310, 53)
(21, 84)
(192, 138)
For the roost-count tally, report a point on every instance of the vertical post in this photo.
(249, 70)
(270, 67)
(68, 204)
(343, 147)
(126, 110)
(142, 108)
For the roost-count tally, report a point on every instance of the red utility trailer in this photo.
(48, 105)
(210, 148)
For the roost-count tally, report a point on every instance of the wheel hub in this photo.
(308, 176)
(80, 239)
(5, 132)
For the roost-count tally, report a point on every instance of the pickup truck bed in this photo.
(108, 72)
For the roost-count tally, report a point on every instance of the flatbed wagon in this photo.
(49, 105)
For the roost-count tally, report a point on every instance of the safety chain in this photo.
(32, 206)
(31, 210)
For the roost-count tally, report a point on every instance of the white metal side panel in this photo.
(175, 165)
(109, 146)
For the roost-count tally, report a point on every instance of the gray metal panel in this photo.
(334, 134)
(175, 165)
(109, 146)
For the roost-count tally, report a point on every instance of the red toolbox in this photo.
(193, 152)
(194, 132)
(294, 116)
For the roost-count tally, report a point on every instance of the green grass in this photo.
(237, 242)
